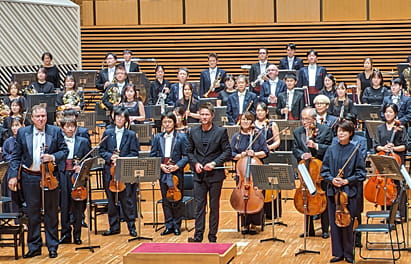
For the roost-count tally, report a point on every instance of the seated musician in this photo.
(241, 101)
(14, 91)
(171, 146)
(70, 97)
(329, 88)
(272, 87)
(374, 95)
(341, 104)
(291, 62)
(322, 103)
(121, 142)
(190, 104)
(291, 102)
(106, 76)
(16, 111)
(403, 102)
(181, 122)
(212, 79)
(112, 94)
(334, 159)
(229, 89)
(157, 86)
(240, 149)
(312, 76)
(176, 89)
(258, 71)
(78, 148)
(404, 79)
(131, 101)
(306, 146)
(128, 64)
(41, 85)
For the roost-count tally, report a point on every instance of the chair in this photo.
(17, 231)
(97, 206)
(382, 228)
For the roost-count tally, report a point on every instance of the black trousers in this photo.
(33, 195)
(201, 189)
(173, 211)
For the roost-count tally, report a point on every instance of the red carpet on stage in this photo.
(182, 248)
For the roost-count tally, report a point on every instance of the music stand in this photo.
(85, 79)
(283, 72)
(308, 185)
(273, 177)
(81, 180)
(287, 127)
(153, 111)
(212, 100)
(4, 166)
(87, 120)
(137, 170)
(407, 179)
(49, 99)
(368, 112)
(24, 78)
(372, 127)
(141, 81)
(231, 130)
(272, 112)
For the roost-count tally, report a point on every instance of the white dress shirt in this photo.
(273, 85)
(39, 141)
(213, 73)
(290, 63)
(263, 66)
(312, 72)
(167, 144)
(119, 135)
(70, 144)
(241, 98)
(180, 91)
(111, 72)
(290, 96)
(127, 66)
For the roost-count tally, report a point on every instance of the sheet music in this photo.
(307, 178)
(406, 176)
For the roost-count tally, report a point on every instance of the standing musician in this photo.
(106, 76)
(305, 148)
(240, 149)
(272, 87)
(78, 148)
(312, 76)
(213, 77)
(375, 93)
(131, 101)
(364, 78)
(190, 104)
(258, 70)
(403, 102)
(176, 89)
(229, 89)
(406, 79)
(128, 64)
(291, 102)
(241, 101)
(51, 69)
(329, 86)
(80, 131)
(70, 97)
(159, 85)
(171, 146)
(27, 161)
(114, 91)
(337, 158)
(208, 147)
(291, 62)
(121, 142)
(341, 104)
(322, 103)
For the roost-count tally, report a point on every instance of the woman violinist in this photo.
(345, 155)
(189, 103)
(239, 145)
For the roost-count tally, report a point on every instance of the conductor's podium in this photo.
(199, 253)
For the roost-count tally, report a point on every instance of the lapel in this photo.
(173, 143)
(295, 97)
(48, 136)
(305, 70)
(123, 139)
(29, 139)
(213, 130)
(208, 74)
(76, 147)
(318, 71)
(162, 143)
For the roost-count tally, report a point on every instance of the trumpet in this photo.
(162, 96)
(259, 80)
(213, 84)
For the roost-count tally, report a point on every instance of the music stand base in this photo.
(274, 239)
(91, 248)
(278, 223)
(140, 238)
(304, 251)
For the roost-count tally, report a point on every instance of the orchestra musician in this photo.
(329, 89)
(71, 95)
(291, 102)
(128, 64)
(239, 148)
(131, 101)
(272, 87)
(106, 76)
(80, 131)
(312, 76)
(176, 89)
(52, 72)
(364, 78)
(190, 104)
(14, 90)
(241, 101)
(208, 77)
(375, 93)
(403, 102)
(116, 89)
(30, 142)
(158, 85)
(41, 85)
(403, 78)
(304, 148)
(291, 62)
(121, 142)
(229, 89)
(322, 103)
(336, 156)
(259, 69)
(181, 122)
(208, 147)
(78, 148)
(16, 111)
(341, 100)
(171, 146)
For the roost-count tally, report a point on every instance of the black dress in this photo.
(53, 75)
(7, 101)
(335, 107)
(375, 96)
(223, 96)
(155, 88)
(46, 87)
(194, 106)
(133, 109)
(365, 82)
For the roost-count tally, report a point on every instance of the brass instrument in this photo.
(69, 98)
(407, 76)
(162, 99)
(260, 79)
(27, 90)
(4, 111)
(114, 96)
(213, 84)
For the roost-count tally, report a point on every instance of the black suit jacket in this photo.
(319, 77)
(102, 78)
(23, 152)
(205, 81)
(324, 139)
(233, 108)
(297, 107)
(297, 63)
(81, 147)
(218, 150)
(133, 66)
(266, 90)
(172, 98)
(255, 71)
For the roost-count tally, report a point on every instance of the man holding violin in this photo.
(120, 142)
(38, 148)
(78, 148)
(171, 146)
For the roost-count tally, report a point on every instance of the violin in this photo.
(374, 188)
(115, 186)
(48, 180)
(173, 193)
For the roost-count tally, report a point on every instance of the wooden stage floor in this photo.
(249, 248)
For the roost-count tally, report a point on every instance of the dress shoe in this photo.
(53, 254)
(193, 240)
(133, 233)
(84, 224)
(32, 253)
(77, 241)
(336, 259)
(110, 232)
(167, 232)
(177, 231)
(253, 230)
(244, 231)
(349, 260)
(308, 235)
(325, 235)
(316, 217)
(65, 239)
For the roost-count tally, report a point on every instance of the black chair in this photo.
(381, 229)
(97, 206)
(16, 230)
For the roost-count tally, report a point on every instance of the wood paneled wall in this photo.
(172, 12)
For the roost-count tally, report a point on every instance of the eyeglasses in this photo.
(320, 103)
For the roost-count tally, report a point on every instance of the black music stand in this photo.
(85, 79)
(220, 115)
(212, 100)
(49, 99)
(273, 177)
(4, 166)
(368, 112)
(137, 170)
(287, 127)
(283, 72)
(81, 181)
(231, 130)
(144, 132)
(308, 186)
(141, 81)
(372, 127)
(24, 78)
(272, 112)
(153, 112)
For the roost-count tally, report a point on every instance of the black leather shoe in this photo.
(308, 235)
(244, 231)
(65, 239)
(84, 224)
(31, 254)
(177, 231)
(336, 259)
(349, 260)
(77, 241)
(133, 233)
(109, 232)
(53, 254)
(325, 235)
(193, 240)
(167, 232)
